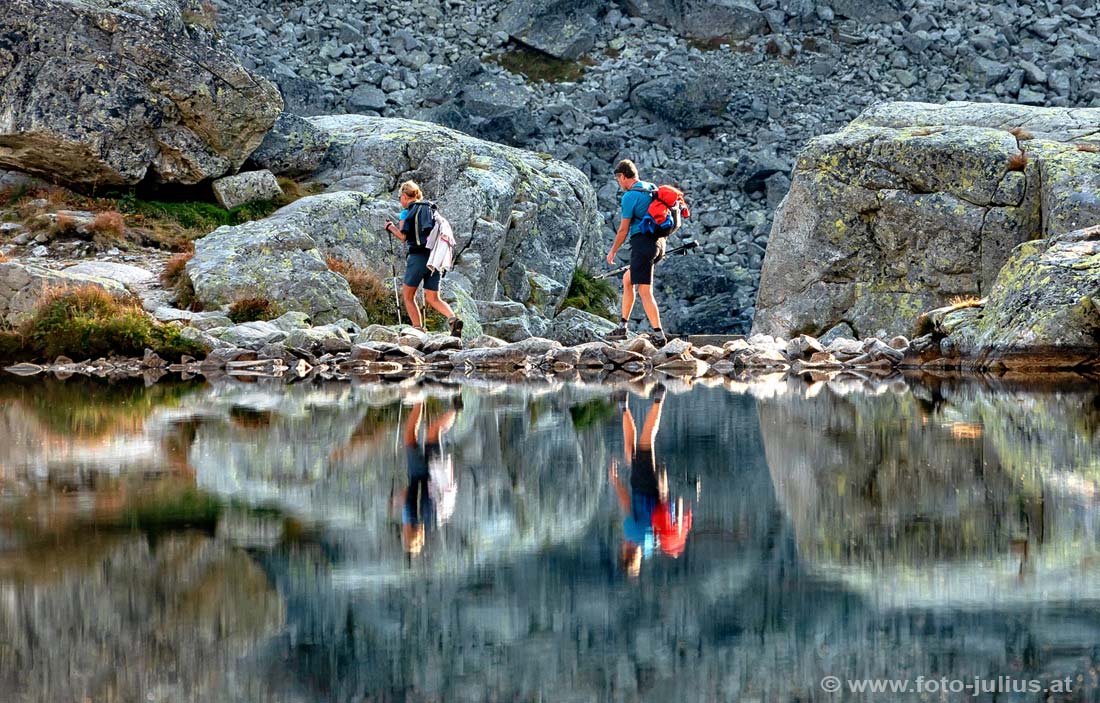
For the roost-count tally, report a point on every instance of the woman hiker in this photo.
(416, 221)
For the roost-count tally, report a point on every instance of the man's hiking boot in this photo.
(455, 326)
(617, 333)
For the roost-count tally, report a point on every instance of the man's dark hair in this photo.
(627, 168)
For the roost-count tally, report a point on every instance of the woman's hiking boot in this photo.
(659, 338)
(455, 326)
(617, 333)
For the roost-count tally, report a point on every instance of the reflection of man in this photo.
(429, 499)
(650, 523)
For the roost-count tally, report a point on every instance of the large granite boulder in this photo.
(277, 259)
(912, 205)
(564, 29)
(1043, 311)
(481, 103)
(97, 92)
(704, 19)
(522, 220)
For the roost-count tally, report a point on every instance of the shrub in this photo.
(88, 322)
(1017, 162)
(174, 277)
(370, 288)
(109, 223)
(63, 226)
(253, 309)
(108, 228)
(591, 294)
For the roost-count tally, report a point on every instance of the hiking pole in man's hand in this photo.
(683, 249)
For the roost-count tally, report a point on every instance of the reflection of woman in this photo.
(415, 224)
(429, 499)
(650, 522)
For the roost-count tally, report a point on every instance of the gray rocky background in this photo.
(717, 97)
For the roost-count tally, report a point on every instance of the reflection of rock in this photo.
(339, 459)
(120, 619)
(933, 486)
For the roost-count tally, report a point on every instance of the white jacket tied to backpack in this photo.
(442, 243)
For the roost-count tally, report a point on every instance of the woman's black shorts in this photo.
(644, 253)
(416, 270)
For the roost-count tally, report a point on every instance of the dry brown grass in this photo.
(253, 309)
(4, 259)
(109, 223)
(926, 131)
(174, 277)
(1021, 134)
(369, 287)
(63, 226)
(964, 301)
(1017, 162)
(1089, 148)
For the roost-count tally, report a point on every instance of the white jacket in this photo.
(442, 243)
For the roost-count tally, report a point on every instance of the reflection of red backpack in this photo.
(666, 212)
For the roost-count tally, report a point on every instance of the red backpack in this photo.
(666, 211)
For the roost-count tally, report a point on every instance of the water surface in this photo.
(315, 542)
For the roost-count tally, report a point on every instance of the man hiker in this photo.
(416, 222)
(646, 249)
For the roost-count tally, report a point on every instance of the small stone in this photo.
(246, 187)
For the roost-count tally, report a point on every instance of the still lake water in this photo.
(343, 542)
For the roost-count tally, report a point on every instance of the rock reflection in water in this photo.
(845, 527)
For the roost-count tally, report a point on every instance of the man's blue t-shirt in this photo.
(635, 204)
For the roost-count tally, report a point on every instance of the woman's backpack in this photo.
(419, 223)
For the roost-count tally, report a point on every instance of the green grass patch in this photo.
(594, 412)
(591, 294)
(87, 322)
(538, 66)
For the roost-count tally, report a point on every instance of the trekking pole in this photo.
(683, 249)
(393, 272)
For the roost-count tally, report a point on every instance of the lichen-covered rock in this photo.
(97, 94)
(1043, 311)
(293, 147)
(572, 326)
(704, 19)
(249, 335)
(522, 220)
(247, 187)
(912, 205)
(564, 29)
(22, 287)
(276, 259)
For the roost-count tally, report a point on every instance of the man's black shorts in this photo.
(416, 270)
(644, 253)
